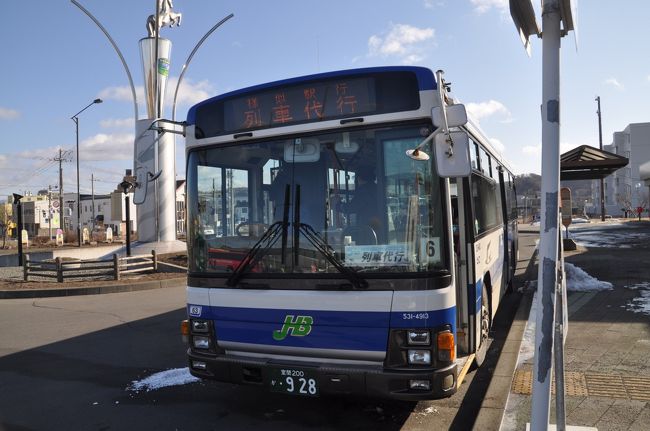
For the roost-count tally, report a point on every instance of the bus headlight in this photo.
(200, 342)
(419, 357)
(201, 326)
(418, 337)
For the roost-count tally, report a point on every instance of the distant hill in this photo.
(531, 185)
(528, 184)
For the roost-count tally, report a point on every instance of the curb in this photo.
(93, 290)
(496, 397)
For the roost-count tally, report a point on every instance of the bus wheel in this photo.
(486, 322)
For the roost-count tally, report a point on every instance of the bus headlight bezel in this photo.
(419, 356)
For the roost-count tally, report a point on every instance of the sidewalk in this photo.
(18, 289)
(607, 350)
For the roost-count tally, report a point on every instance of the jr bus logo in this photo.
(299, 327)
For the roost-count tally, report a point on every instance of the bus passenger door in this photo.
(459, 242)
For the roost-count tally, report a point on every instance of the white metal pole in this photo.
(548, 246)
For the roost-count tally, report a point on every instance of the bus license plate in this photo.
(297, 381)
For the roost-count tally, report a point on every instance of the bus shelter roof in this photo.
(589, 163)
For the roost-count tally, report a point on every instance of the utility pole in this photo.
(92, 191)
(49, 210)
(602, 180)
(61, 159)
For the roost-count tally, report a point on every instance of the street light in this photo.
(19, 235)
(127, 186)
(75, 118)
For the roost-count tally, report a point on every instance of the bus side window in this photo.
(455, 227)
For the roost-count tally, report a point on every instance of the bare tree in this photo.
(4, 224)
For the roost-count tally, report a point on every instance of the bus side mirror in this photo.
(452, 155)
(141, 181)
(456, 116)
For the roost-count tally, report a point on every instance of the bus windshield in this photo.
(351, 198)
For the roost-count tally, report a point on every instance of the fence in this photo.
(62, 269)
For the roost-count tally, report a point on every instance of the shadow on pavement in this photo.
(81, 383)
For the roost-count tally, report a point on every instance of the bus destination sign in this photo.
(305, 103)
(309, 101)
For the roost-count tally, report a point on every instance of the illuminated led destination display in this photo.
(309, 101)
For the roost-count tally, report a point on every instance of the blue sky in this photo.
(57, 61)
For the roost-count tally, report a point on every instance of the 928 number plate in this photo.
(296, 381)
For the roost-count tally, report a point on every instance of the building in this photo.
(98, 212)
(180, 209)
(624, 189)
(40, 213)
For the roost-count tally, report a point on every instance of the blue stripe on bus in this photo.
(370, 319)
(346, 330)
(320, 337)
(425, 77)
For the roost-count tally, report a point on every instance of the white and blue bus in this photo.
(322, 259)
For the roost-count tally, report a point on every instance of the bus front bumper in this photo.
(331, 378)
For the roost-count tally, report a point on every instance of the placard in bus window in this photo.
(430, 250)
(378, 255)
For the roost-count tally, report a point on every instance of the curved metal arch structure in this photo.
(117, 50)
(189, 59)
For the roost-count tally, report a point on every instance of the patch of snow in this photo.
(174, 377)
(578, 280)
(640, 304)
(644, 285)
(428, 411)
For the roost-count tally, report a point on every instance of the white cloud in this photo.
(566, 146)
(8, 114)
(104, 147)
(122, 94)
(189, 92)
(404, 41)
(431, 4)
(482, 6)
(498, 145)
(532, 150)
(487, 109)
(615, 83)
(117, 123)
(536, 150)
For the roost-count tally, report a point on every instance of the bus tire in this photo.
(486, 323)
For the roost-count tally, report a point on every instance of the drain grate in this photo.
(590, 385)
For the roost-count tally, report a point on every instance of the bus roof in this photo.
(425, 78)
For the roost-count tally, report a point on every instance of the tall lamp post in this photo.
(75, 118)
(127, 186)
(19, 235)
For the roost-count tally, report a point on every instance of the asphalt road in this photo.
(66, 363)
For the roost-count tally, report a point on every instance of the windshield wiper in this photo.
(315, 239)
(263, 245)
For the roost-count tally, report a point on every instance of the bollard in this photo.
(26, 267)
(59, 270)
(155, 260)
(116, 267)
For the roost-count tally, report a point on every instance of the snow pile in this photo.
(640, 304)
(578, 280)
(174, 377)
(643, 285)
